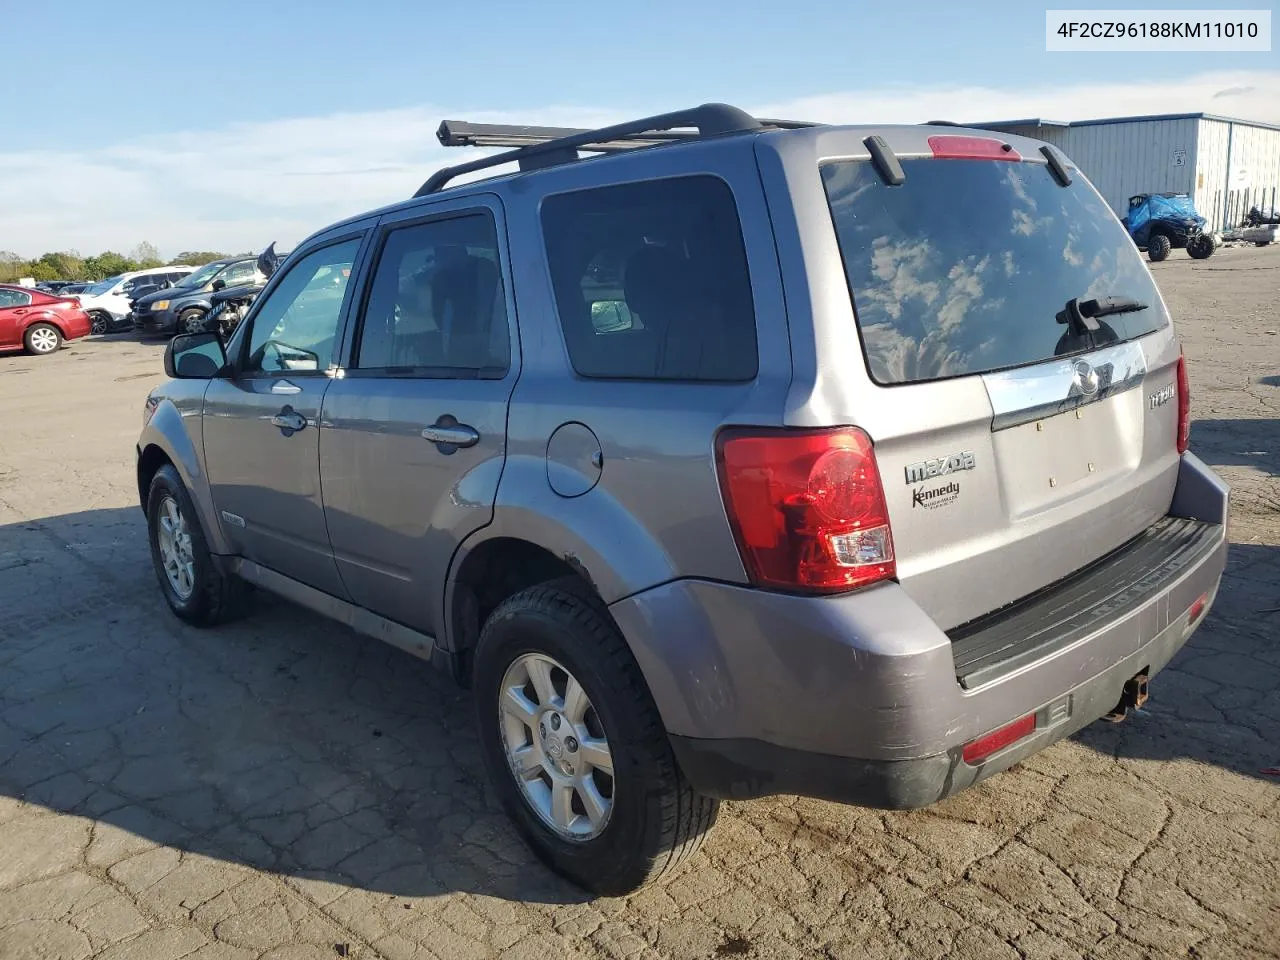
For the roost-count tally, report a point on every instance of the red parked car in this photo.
(38, 322)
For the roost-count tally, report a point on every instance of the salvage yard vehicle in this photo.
(183, 308)
(720, 457)
(109, 302)
(228, 305)
(1160, 222)
(38, 322)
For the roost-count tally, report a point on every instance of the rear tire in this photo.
(202, 594)
(42, 339)
(655, 820)
(1158, 248)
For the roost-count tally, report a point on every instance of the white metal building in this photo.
(1226, 165)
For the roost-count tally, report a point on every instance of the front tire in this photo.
(101, 322)
(1201, 247)
(574, 744)
(1158, 248)
(42, 339)
(191, 321)
(193, 585)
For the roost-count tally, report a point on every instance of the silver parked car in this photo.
(743, 457)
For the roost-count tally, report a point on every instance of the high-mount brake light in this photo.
(958, 147)
(807, 507)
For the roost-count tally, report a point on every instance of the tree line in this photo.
(70, 265)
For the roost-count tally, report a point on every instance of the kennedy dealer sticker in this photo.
(933, 497)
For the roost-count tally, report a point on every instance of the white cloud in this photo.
(1252, 95)
(241, 186)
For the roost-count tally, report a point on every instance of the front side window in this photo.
(436, 305)
(651, 281)
(202, 276)
(295, 329)
(964, 267)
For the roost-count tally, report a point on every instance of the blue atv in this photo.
(1158, 222)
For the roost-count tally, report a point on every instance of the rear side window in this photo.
(963, 268)
(651, 281)
(240, 273)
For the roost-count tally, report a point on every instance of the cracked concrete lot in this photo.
(285, 789)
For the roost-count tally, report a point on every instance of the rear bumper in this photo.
(74, 326)
(858, 699)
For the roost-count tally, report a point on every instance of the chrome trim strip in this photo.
(1046, 389)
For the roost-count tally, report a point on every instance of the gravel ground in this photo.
(284, 788)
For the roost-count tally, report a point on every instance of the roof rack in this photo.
(536, 147)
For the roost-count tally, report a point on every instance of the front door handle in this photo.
(289, 421)
(448, 432)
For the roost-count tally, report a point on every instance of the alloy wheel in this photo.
(556, 747)
(173, 537)
(44, 340)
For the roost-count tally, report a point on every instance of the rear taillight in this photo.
(1184, 406)
(807, 507)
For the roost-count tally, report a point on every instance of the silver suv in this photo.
(720, 457)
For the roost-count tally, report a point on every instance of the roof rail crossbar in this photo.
(710, 119)
(459, 133)
(789, 124)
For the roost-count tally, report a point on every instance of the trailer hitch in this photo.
(1132, 697)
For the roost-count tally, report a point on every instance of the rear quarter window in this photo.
(651, 281)
(963, 268)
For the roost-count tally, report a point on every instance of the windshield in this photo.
(201, 276)
(964, 267)
(102, 286)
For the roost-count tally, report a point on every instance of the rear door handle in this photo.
(289, 420)
(448, 432)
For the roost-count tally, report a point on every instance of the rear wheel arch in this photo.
(48, 317)
(491, 572)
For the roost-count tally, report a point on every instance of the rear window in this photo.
(963, 268)
(651, 281)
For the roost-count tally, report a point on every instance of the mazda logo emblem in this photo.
(1086, 378)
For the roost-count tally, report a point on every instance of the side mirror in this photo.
(195, 356)
(219, 284)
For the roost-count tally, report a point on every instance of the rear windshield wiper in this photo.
(1080, 316)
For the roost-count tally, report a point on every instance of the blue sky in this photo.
(232, 124)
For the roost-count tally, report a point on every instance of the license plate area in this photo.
(1054, 459)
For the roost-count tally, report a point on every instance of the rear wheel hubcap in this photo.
(556, 747)
(44, 341)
